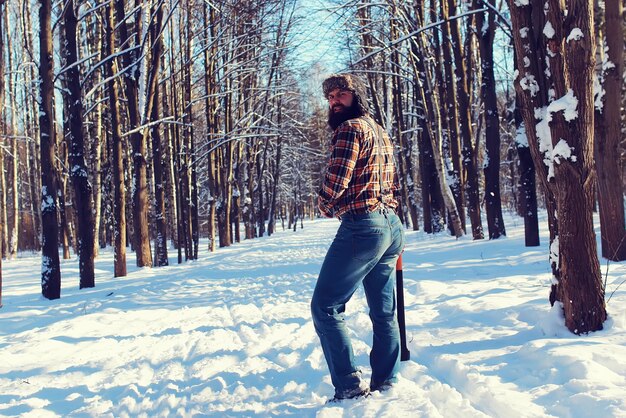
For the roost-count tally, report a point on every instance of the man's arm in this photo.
(340, 167)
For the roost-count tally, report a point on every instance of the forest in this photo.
(148, 125)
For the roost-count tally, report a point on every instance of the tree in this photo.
(610, 195)
(138, 135)
(2, 127)
(83, 205)
(50, 265)
(493, 206)
(562, 137)
(119, 189)
(160, 245)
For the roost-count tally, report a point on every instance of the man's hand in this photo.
(325, 210)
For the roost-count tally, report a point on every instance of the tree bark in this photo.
(2, 132)
(405, 166)
(138, 140)
(50, 265)
(160, 244)
(577, 277)
(609, 181)
(119, 189)
(572, 62)
(83, 207)
(526, 183)
(493, 204)
(15, 154)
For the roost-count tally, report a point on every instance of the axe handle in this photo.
(405, 354)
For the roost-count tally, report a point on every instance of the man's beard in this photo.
(337, 118)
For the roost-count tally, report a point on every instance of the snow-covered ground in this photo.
(230, 335)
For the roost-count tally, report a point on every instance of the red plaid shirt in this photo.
(351, 183)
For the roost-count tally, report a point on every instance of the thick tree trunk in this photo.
(83, 207)
(531, 86)
(578, 282)
(572, 64)
(50, 265)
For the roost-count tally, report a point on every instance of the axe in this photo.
(405, 354)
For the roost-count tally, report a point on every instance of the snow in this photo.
(521, 139)
(567, 104)
(524, 31)
(562, 150)
(230, 334)
(529, 83)
(575, 35)
(47, 201)
(598, 94)
(548, 30)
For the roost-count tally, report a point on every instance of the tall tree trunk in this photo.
(83, 207)
(50, 265)
(2, 132)
(573, 249)
(119, 189)
(493, 204)
(211, 105)
(31, 121)
(405, 165)
(160, 245)
(192, 193)
(433, 134)
(137, 139)
(457, 175)
(610, 196)
(572, 64)
(275, 167)
(15, 155)
(471, 187)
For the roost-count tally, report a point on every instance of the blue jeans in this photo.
(365, 250)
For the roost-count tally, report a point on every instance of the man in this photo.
(359, 189)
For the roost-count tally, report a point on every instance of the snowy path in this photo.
(230, 335)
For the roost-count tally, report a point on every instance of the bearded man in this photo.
(358, 188)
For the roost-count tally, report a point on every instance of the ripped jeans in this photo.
(365, 250)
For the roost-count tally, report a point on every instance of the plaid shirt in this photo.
(351, 183)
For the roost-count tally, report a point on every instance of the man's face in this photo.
(339, 100)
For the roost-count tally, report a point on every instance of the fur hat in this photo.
(343, 82)
(348, 82)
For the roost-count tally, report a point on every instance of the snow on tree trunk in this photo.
(560, 133)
